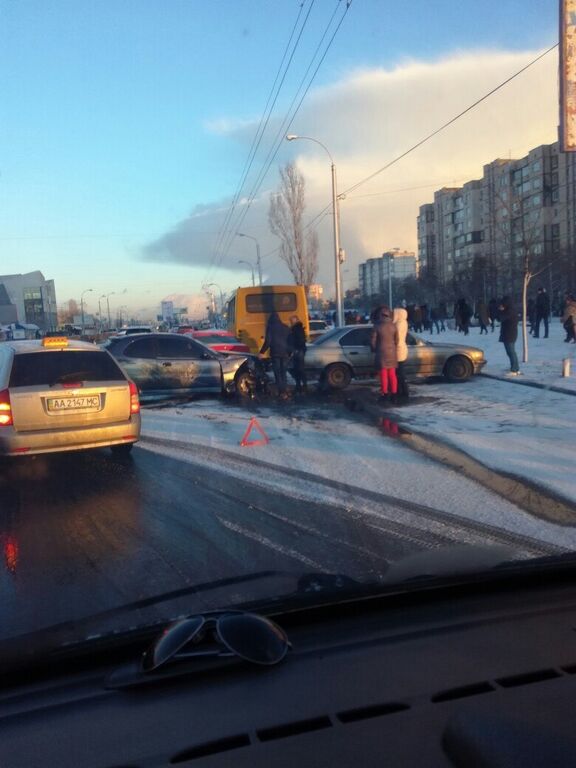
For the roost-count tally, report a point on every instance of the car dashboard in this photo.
(475, 677)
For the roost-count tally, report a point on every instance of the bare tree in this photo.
(521, 235)
(298, 251)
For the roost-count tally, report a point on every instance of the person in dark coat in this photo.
(493, 312)
(417, 319)
(384, 342)
(277, 341)
(509, 333)
(465, 316)
(542, 312)
(482, 316)
(297, 343)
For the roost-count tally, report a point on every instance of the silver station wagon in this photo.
(62, 395)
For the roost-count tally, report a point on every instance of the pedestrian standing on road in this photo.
(465, 316)
(542, 312)
(482, 315)
(384, 340)
(531, 314)
(400, 320)
(276, 340)
(417, 319)
(297, 343)
(569, 319)
(509, 333)
(457, 317)
(493, 312)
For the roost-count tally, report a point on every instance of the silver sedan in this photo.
(344, 354)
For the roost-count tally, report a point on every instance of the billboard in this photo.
(568, 75)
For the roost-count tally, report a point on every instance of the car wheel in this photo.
(121, 450)
(337, 376)
(245, 383)
(458, 368)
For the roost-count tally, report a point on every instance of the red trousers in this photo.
(388, 377)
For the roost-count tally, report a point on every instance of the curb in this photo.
(535, 499)
(528, 383)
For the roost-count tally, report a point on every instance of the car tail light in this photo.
(134, 398)
(5, 409)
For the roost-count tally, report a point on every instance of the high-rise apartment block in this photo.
(373, 274)
(483, 234)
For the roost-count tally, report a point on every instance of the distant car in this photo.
(164, 364)
(317, 328)
(62, 395)
(133, 329)
(220, 341)
(344, 354)
(183, 329)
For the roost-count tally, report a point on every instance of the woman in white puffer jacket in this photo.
(400, 319)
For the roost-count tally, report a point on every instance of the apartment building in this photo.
(482, 233)
(373, 274)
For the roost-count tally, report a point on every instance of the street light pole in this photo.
(336, 227)
(209, 285)
(251, 269)
(108, 306)
(82, 306)
(258, 262)
(390, 262)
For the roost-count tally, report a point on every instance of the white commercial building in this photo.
(28, 298)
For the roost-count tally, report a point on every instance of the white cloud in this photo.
(372, 116)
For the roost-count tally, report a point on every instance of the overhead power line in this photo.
(434, 133)
(264, 119)
(287, 121)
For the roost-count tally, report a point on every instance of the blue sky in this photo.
(122, 119)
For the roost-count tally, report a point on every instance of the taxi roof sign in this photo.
(55, 341)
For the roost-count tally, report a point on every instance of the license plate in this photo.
(84, 403)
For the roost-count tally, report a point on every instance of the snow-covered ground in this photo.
(545, 356)
(527, 431)
(347, 451)
(524, 431)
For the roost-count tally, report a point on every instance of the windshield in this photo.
(372, 199)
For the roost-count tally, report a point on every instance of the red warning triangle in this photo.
(264, 440)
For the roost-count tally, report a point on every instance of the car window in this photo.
(358, 337)
(218, 339)
(46, 368)
(145, 348)
(174, 347)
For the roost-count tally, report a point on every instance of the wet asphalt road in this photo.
(86, 532)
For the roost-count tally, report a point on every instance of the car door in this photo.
(138, 360)
(188, 365)
(356, 348)
(421, 361)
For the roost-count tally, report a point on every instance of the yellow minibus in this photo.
(249, 309)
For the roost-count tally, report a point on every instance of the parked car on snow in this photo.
(343, 354)
(219, 340)
(317, 328)
(165, 364)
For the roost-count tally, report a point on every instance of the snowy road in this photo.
(87, 533)
(331, 492)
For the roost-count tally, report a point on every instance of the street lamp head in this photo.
(292, 136)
